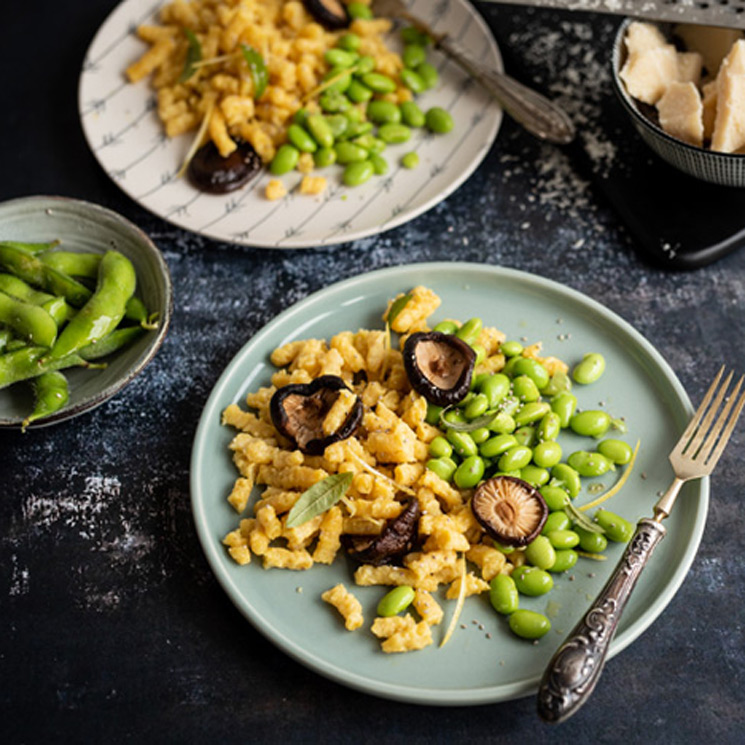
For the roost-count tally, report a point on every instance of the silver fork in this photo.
(574, 670)
(541, 117)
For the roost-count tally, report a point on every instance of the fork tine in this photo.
(693, 425)
(733, 417)
(693, 446)
(712, 434)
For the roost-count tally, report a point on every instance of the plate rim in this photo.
(397, 221)
(419, 695)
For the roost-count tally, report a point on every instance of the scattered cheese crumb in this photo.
(275, 189)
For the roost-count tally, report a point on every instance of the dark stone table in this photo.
(112, 626)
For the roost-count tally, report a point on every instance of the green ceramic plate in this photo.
(483, 662)
(82, 226)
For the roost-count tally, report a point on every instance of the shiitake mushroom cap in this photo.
(510, 510)
(209, 172)
(439, 366)
(395, 540)
(331, 14)
(298, 412)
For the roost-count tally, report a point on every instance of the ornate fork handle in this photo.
(575, 668)
(540, 116)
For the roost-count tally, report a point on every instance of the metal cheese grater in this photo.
(727, 13)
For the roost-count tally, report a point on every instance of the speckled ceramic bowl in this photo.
(718, 168)
(82, 226)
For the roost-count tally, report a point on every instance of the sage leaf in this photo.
(584, 522)
(257, 66)
(193, 55)
(397, 306)
(474, 424)
(319, 498)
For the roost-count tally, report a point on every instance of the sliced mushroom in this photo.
(209, 172)
(332, 14)
(510, 510)
(298, 412)
(396, 539)
(439, 366)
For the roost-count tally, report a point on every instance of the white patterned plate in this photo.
(125, 135)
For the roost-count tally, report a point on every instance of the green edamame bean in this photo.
(30, 322)
(285, 159)
(365, 64)
(532, 581)
(462, 443)
(350, 42)
(301, 139)
(300, 116)
(356, 174)
(337, 80)
(333, 102)
(558, 520)
(51, 393)
(102, 313)
(616, 451)
(358, 92)
(589, 369)
(412, 35)
(527, 624)
(413, 81)
(556, 498)
(509, 405)
(590, 423)
(413, 55)
(324, 156)
(359, 10)
(531, 412)
(380, 164)
(382, 112)
(589, 464)
(568, 478)
(394, 134)
(378, 82)
(444, 467)
(511, 348)
(446, 327)
(482, 434)
(348, 152)
(469, 472)
(437, 119)
(515, 458)
(470, 330)
(533, 369)
(411, 161)
(320, 130)
(396, 601)
(466, 400)
(509, 366)
(547, 454)
(440, 447)
(525, 389)
(366, 141)
(566, 558)
(340, 58)
(563, 538)
(428, 73)
(549, 427)
(495, 388)
(357, 129)
(525, 435)
(617, 528)
(594, 543)
(534, 475)
(502, 423)
(454, 416)
(503, 594)
(476, 406)
(540, 553)
(559, 382)
(564, 404)
(495, 446)
(433, 414)
(411, 114)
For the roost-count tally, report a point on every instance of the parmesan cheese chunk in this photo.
(681, 113)
(713, 43)
(710, 107)
(643, 36)
(689, 67)
(729, 125)
(647, 74)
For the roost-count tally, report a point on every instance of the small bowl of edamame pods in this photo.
(85, 303)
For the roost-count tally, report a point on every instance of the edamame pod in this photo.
(51, 393)
(31, 322)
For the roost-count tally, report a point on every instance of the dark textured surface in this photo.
(111, 623)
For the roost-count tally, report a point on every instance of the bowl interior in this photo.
(81, 226)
